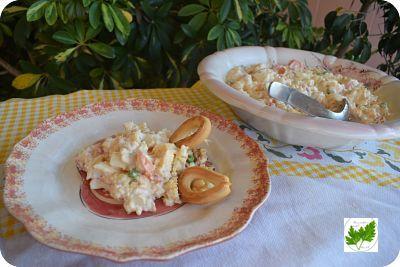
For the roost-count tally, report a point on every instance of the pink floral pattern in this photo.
(310, 153)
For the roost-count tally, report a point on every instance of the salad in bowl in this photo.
(241, 76)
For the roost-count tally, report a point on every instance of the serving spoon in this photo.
(308, 105)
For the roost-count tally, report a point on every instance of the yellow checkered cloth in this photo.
(19, 116)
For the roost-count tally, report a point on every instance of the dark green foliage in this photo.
(389, 44)
(112, 44)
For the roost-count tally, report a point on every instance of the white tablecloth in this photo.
(301, 224)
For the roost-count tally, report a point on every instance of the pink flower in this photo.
(312, 154)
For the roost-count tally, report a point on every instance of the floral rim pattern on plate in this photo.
(15, 197)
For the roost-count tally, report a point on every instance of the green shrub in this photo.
(65, 45)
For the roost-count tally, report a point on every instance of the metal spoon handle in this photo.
(303, 102)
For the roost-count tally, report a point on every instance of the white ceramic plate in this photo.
(42, 185)
(296, 128)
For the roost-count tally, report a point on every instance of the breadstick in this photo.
(194, 177)
(199, 125)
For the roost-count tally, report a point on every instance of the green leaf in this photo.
(366, 52)
(107, 17)
(58, 83)
(14, 9)
(278, 4)
(36, 10)
(235, 37)
(70, 10)
(179, 37)
(27, 66)
(352, 237)
(64, 37)
(221, 42)
(198, 21)
(296, 38)
(215, 32)
(154, 46)
(224, 11)
(101, 84)
(63, 56)
(187, 51)
(238, 10)
(248, 15)
(305, 17)
(80, 11)
(120, 21)
(358, 45)
(191, 9)
(285, 34)
(86, 3)
(121, 38)
(162, 34)
(137, 71)
(369, 232)
(293, 11)
(148, 10)
(61, 13)
(281, 26)
(95, 14)
(363, 27)
(173, 75)
(51, 13)
(115, 83)
(102, 49)
(164, 9)
(205, 2)
(341, 22)
(366, 233)
(92, 32)
(96, 72)
(347, 38)
(80, 30)
(229, 40)
(187, 29)
(234, 25)
(329, 18)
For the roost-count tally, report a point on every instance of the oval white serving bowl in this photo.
(42, 185)
(295, 128)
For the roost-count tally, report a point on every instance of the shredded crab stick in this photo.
(144, 165)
